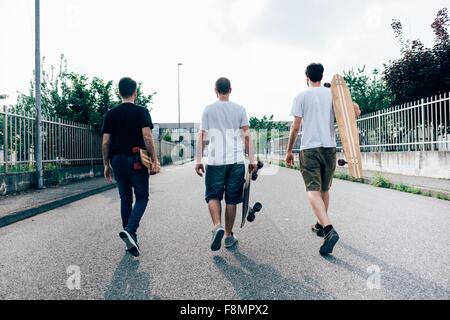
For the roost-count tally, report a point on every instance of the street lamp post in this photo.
(38, 145)
(179, 102)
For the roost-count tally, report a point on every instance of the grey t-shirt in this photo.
(315, 106)
(223, 121)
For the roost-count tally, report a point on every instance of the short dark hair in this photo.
(223, 86)
(127, 87)
(315, 72)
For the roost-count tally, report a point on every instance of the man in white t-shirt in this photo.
(313, 110)
(226, 127)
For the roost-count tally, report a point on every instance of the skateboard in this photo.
(346, 122)
(142, 159)
(250, 214)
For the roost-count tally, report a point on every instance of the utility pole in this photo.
(38, 142)
(179, 102)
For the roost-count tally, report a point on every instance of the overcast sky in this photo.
(263, 46)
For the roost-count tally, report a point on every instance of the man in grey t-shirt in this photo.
(225, 125)
(313, 110)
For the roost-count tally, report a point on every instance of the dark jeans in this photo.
(128, 180)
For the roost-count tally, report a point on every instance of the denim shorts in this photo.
(227, 179)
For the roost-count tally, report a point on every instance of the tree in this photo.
(267, 123)
(167, 136)
(370, 92)
(264, 127)
(72, 96)
(420, 72)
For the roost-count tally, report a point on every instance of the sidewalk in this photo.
(424, 184)
(24, 205)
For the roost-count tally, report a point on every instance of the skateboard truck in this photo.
(253, 211)
(259, 166)
(342, 162)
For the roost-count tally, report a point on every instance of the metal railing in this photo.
(422, 125)
(65, 143)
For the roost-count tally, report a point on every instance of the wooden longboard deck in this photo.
(346, 122)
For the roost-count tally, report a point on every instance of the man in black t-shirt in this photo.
(126, 127)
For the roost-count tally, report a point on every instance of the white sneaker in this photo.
(230, 241)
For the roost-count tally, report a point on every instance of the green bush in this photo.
(50, 167)
(402, 187)
(443, 196)
(18, 168)
(167, 136)
(347, 177)
(342, 176)
(381, 182)
(166, 160)
(427, 194)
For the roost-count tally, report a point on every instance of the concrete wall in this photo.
(434, 164)
(16, 182)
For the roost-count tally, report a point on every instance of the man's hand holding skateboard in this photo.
(153, 165)
(155, 168)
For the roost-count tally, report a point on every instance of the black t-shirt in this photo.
(125, 123)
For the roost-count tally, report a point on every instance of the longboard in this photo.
(249, 215)
(346, 122)
(142, 159)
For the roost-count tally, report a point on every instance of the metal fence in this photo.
(422, 125)
(65, 143)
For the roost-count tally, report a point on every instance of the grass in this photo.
(345, 176)
(282, 164)
(23, 168)
(443, 196)
(18, 168)
(382, 182)
(166, 160)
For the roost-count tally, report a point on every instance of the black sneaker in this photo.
(329, 242)
(130, 240)
(318, 229)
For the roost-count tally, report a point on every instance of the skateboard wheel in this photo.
(251, 217)
(342, 162)
(257, 207)
(260, 165)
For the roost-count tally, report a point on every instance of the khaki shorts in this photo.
(317, 167)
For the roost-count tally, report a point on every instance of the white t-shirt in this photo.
(223, 121)
(315, 106)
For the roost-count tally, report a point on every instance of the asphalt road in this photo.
(393, 246)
